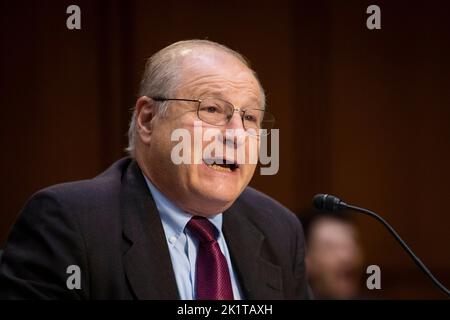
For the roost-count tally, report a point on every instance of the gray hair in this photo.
(161, 77)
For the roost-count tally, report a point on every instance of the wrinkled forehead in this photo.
(212, 72)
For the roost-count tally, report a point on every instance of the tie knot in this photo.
(202, 229)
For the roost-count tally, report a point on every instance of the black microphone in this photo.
(332, 203)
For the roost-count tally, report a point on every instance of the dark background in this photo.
(362, 114)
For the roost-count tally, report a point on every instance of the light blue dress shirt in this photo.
(183, 245)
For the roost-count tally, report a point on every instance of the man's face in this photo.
(200, 188)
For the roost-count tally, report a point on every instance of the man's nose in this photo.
(234, 131)
(236, 121)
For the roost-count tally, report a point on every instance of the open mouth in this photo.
(221, 165)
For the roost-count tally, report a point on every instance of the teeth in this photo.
(219, 168)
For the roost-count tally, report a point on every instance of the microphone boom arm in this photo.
(331, 203)
(391, 230)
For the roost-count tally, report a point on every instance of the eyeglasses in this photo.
(219, 112)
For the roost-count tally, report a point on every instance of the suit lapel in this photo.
(146, 256)
(147, 262)
(259, 278)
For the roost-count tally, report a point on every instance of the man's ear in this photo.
(145, 113)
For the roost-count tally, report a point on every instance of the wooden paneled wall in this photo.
(362, 114)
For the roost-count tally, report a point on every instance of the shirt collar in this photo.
(174, 219)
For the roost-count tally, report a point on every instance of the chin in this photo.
(210, 192)
(210, 203)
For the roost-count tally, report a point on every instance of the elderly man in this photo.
(150, 227)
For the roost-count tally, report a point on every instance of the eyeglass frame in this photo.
(199, 101)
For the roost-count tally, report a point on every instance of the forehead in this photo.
(330, 230)
(218, 74)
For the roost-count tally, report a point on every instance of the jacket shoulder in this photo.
(265, 211)
(90, 192)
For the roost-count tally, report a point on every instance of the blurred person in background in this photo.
(334, 257)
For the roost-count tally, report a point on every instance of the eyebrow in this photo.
(254, 102)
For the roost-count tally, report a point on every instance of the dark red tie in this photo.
(212, 274)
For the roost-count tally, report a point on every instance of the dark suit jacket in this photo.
(109, 226)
